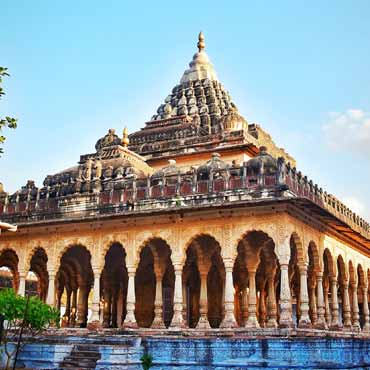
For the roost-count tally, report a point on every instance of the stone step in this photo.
(72, 363)
(86, 354)
(81, 357)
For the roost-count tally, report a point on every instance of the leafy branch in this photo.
(37, 317)
(6, 122)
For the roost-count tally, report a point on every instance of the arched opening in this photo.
(154, 285)
(37, 278)
(204, 280)
(343, 305)
(313, 269)
(9, 277)
(113, 287)
(328, 276)
(256, 280)
(32, 284)
(361, 291)
(296, 260)
(73, 284)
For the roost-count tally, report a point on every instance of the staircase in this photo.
(81, 357)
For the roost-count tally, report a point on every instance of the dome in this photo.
(199, 92)
(214, 164)
(262, 162)
(170, 170)
(110, 139)
(112, 161)
(233, 121)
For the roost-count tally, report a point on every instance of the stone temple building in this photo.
(197, 221)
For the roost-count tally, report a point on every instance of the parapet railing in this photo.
(126, 193)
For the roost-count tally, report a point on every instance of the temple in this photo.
(197, 221)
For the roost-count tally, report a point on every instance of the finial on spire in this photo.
(201, 44)
(125, 139)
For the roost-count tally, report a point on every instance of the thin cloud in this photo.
(349, 130)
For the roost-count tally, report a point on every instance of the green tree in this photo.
(8, 122)
(146, 361)
(38, 317)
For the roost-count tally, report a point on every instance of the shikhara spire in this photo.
(201, 44)
(199, 91)
(201, 66)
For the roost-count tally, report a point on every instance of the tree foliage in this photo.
(6, 122)
(38, 317)
(146, 361)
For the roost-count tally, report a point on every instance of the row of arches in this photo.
(256, 289)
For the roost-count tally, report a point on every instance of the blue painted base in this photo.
(118, 352)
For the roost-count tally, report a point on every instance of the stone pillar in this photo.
(22, 283)
(244, 305)
(286, 319)
(158, 322)
(304, 320)
(74, 307)
(114, 306)
(271, 302)
(326, 288)
(203, 300)
(262, 308)
(120, 305)
(313, 305)
(67, 313)
(252, 321)
(355, 309)
(96, 297)
(81, 305)
(229, 320)
(177, 320)
(365, 309)
(184, 302)
(321, 304)
(130, 320)
(334, 303)
(107, 304)
(347, 324)
(51, 289)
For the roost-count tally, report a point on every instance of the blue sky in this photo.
(301, 69)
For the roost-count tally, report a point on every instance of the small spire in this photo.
(201, 44)
(125, 139)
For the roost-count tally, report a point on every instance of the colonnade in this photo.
(255, 289)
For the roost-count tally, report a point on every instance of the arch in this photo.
(313, 256)
(31, 253)
(329, 272)
(9, 259)
(113, 286)
(361, 276)
(262, 228)
(296, 264)
(256, 276)
(154, 284)
(75, 275)
(352, 276)
(297, 240)
(67, 244)
(312, 271)
(341, 268)
(329, 267)
(342, 278)
(198, 236)
(145, 239)
(38, 265)
(361, 290)
(204, 278)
